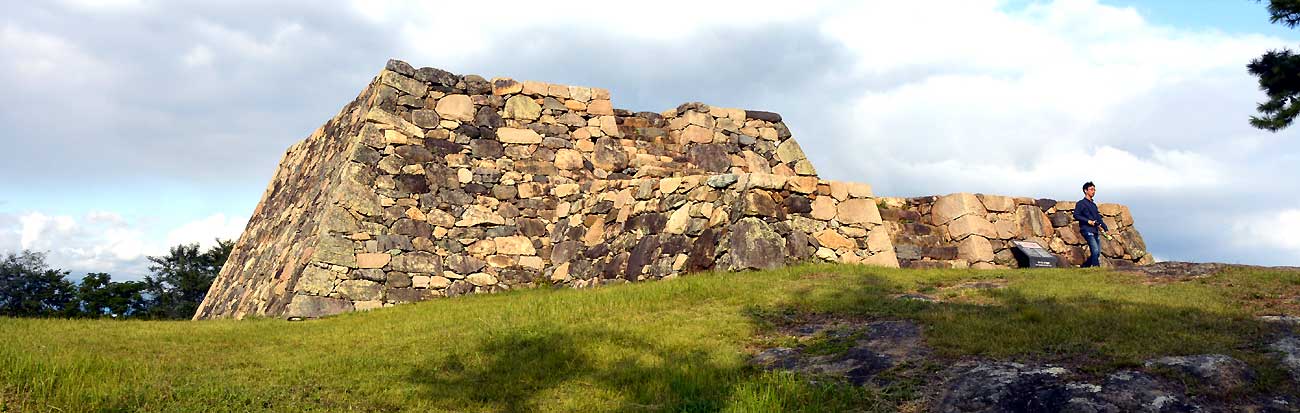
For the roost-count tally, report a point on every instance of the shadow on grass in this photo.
(561, 369)
(519, 371)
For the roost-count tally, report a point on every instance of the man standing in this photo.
(1085, 211)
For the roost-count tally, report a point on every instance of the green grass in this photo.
(677, 345)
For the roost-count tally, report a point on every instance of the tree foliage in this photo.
(28, 287)
(1278, 72)
(100, 296)
(180, 280)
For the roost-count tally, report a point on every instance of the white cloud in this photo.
(198, 56)
(203, 231)
(105, 5)
(440, 31)
(48, 59)
(1273, 230)
(103, 241)
(246, 44)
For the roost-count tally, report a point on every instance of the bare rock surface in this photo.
(877, 353)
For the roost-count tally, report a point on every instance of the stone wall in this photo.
(651, 229)
(281, 235)
(437, 184)
(432, 184)
(975, 230)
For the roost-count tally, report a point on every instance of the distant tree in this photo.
(181, 279)
(1279, 74)
(98, 295)
(29, 288)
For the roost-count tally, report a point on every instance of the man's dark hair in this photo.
(1087, 184)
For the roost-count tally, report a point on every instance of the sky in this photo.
(134, 125)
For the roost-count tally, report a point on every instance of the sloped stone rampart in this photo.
(438, 185)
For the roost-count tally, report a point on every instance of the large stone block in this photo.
(754, 245)
(967, 225)
(312, 307)
(857, 212)
(975, 249)
(953, 206)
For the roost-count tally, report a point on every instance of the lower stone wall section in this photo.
(599, 232)
(975, 230)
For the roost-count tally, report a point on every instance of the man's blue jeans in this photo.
(1094, 251)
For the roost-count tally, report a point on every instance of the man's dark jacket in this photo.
(1086, 210)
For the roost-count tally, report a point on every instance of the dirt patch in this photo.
(890, 355)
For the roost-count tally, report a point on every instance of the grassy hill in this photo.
(679, 345)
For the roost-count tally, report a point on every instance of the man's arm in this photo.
(1079, 215)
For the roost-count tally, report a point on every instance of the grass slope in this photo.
(677, 345)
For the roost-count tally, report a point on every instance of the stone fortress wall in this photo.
(432, 184)
(442, 185)
(975, 230)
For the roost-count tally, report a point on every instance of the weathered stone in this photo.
(796, 204)
(307, 306)
(997, 203)
(455, 107)
(1216, 371)
(600, 107)
(372, 260)
(372, 274)
(789, 151)
(397, 280)
(425, 118)
(721, 181)
(522, 107)
(697, 134)
(767, 181)
(608, 155)
(953, 206)
(316, 281)
(975, 249)
(481, 279)
(802, 184)
(710, 157)
(1033, 222)
(857, 211)
(518, 136)
(753, 245)
(361, 290)
(834, 240)
(465, 264)
(1288, 352)
(763, 116)
(1060, 219)
(486, 148)
(335, 250)
(568, 159)
(478, 215)
(516, 245)
(506, 86)
(414, 153)
(760, 203)
(405, 84)
(417, 262)
(962, 227)
(823, 208)
(677, 221)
